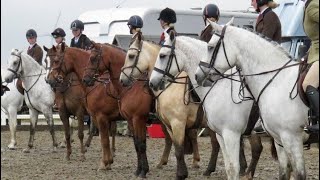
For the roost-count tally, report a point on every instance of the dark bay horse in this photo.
(135, 102)
(103, 109)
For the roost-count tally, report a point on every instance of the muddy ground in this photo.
(41, 163)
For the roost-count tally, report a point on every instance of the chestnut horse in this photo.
(62, 61)
(135, 102)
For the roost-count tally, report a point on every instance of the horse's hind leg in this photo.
(113, 130)
(178, 136)
(139, 134)
(284, 170)
(214, 153)
(12, 115)
(193, 135)
(33, 123)
(167, 148)
(243, 161)
(81, 135)
(256, 149)
(65, 121)
(88, 142)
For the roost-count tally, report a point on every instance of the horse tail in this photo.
(273, 150)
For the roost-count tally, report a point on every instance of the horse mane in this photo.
(274, 43)
(114, 46)
(152, 42)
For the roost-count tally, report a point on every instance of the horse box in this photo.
(155, 131)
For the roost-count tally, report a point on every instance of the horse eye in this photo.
(131, 56)
(162, 56)
(15, 63)
(210, 47)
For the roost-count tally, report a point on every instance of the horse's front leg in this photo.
(103, 127)
(214, 153)
(80, 116)
(12, 115)
(139, 130)
(33, 123)
(65, 121)
(91, 128)
(193, 135)
(256, 149)
(167, 147)
(50, 123)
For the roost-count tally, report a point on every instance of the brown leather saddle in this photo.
(303, 70)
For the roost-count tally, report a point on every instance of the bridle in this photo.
(172, 56)
(59, 78)
(15, 72)
(97, 58)
(214, 55)
(135, 63)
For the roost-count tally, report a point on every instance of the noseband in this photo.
(134, 66)
(59, 78)
(98, 58)
(172, 56)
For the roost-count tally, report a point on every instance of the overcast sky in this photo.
(17, 16)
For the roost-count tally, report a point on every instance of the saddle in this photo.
(19, 86)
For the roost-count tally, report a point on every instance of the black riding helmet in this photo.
(262, 2)
(59, 32)
(77, 24)
(135, 21)
(168, 15)
(211, 11)
(31, 33)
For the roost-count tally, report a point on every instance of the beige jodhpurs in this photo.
(312, 77)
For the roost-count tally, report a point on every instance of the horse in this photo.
(182, 54)
(135, 101)
(11, 103)
(38, 94)
(70, 100)
(271, 75)
(140, 58)
(64, 60)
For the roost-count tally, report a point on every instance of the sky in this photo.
(17, 16)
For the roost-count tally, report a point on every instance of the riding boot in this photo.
(313, 97)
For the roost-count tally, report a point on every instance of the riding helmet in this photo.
(77, 24)
(211, 11)
(31, 33)
(59, 32)
(262, 2)
(168, 15)
(135, 21)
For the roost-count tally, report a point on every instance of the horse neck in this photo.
(260, 56)
(190, 54)
(151, 57)
(77, 63)
(31, 70)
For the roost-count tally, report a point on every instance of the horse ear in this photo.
(45, 48)
(215, 26)
(54, 48)
(230, 22)
(19, 52)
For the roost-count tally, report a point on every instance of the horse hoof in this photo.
(11, 147)
(183, 177)
(54, 150)
(207, 173)
(26, 150)
(159, 166)
(67, 158)
(62, 145)
(246, 177)
(137, 173)
(195, 166)
(142, 175)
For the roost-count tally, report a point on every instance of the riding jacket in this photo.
(36, 53)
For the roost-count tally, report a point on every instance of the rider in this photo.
(135, 23)
(212, 13)
(79, 40)
(311, 82)
(268, 22)
(59, 36)
(34, 50)
(167, 19)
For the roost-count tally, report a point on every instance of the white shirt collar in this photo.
(261, 12)
(31, 45)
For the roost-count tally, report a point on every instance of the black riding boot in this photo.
(313, 97)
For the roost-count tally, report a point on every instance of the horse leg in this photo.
(167, 148)
(65, 121)
(33, 123)
(256, 149)
(293, 145)
(214, 153)
(12, 115)
(178, 133)
(193, 135)
(231, 141)
(51, 128)
(243, 161)
(284, 172)
(81, 135)
(139, 130)
(113, 134)
(103, 127)
(93, 120)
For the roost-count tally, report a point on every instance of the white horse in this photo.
(11, 103)
(227, 119)
(38, 94)
(283, 117)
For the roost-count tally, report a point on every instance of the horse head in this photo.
(14, 65)
(94, 66)
(166, 63)
(218, 59)
(55, 70)
(133, 66)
